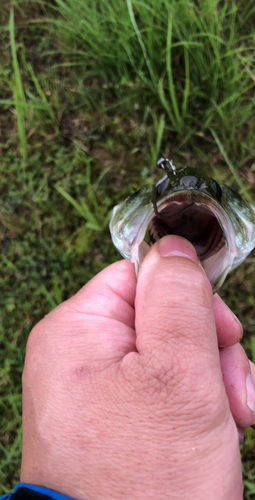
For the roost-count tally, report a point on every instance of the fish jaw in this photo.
(242, 214)
(235, 217)
(128, 232)
(216, 266)
(128, 235)
(128, 220)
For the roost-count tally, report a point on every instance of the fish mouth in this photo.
(200, 220)
(195, 222)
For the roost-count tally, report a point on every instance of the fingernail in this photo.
(240, 434)
(240, 324)
(250, 392)
(177, 246)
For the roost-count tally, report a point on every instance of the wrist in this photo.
(26, 491)
(194, 473)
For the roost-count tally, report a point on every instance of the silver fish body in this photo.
(215, 219)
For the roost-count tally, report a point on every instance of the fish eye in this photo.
(217, 189)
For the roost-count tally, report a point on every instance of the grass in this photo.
(191, 59)
(92, 93)
(18, 91)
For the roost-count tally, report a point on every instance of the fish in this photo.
(217, 220)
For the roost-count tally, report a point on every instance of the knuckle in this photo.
(54, 321)
(160, 375)
(34, 337)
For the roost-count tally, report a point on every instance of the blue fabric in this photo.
(41, 489)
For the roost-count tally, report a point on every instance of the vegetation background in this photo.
(92, 92)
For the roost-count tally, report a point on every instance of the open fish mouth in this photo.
(196, 222)
(196, 218)
(217, 221)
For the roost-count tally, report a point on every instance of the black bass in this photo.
(218, 222)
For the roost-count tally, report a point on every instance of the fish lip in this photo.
(189, 193)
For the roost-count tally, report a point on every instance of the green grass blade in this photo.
(48, 296)
(9, 264)
(138, 34)
(83, 209)
(17, 444)
(159, 129)
(187, 83)
(230, 165)
(40, 91)
(57, 290)
(165, 102)
(19, 96)
(101, 176)
(160, 132)
(169, 72)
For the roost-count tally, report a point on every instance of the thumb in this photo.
(175, 325)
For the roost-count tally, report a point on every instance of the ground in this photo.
(91, 95)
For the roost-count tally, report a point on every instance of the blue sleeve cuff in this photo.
(40, 489)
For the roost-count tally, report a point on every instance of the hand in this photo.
(123, 393)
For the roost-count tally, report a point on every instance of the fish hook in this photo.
(162, 164)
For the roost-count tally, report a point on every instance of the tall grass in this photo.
(18, 91)
(191, 58)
